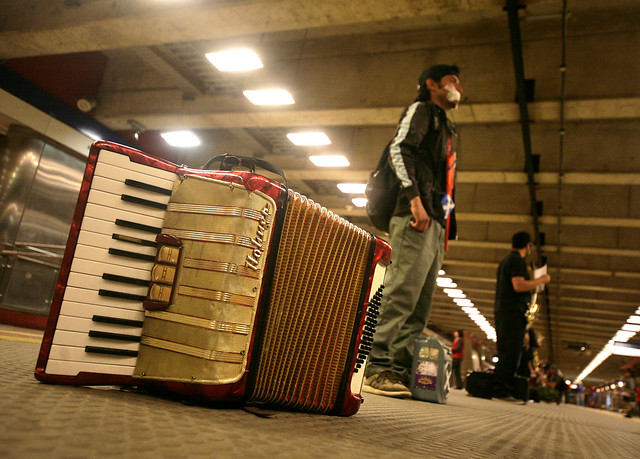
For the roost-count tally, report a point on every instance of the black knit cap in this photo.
(436, 72)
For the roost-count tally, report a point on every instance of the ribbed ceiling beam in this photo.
(115, 110)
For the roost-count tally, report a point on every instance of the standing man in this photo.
(513, 293)
(422, 155)
(457, 355)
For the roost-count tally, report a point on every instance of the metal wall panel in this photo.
(37, 201)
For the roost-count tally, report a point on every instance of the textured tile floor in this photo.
(43, 420)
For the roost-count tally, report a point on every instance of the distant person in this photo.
(513, 289)
(629, 392)
(457, 355)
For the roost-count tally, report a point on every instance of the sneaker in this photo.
(386, 383)
(507, 398)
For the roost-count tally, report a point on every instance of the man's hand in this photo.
(421, 220)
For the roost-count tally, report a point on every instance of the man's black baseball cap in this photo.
(436, 72)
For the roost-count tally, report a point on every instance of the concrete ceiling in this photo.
(352, 67)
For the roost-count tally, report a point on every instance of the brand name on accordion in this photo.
(254, 257)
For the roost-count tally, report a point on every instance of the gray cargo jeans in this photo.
(410, 282)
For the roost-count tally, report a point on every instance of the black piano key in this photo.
(134, 240)
(114, 336)
(117, 321)
(125, 279)
(143, 202)
(127, 254)
(121, 295)
(148, 187)
(110, 351)
(138, 226)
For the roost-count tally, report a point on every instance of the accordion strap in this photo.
(228, 162)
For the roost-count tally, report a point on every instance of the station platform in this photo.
(55, 421)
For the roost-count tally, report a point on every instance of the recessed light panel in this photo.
(237, 60)
(329, 161)
(181, 138)
(352, 188)
(269, 97)
(307, 139)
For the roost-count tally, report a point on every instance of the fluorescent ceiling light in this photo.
(352, 188)
(359, 202)
(446, 284)
(181, 138)
(633, 320)
(269, 97)
(235, 60)
(623, 335)
(631, 328)
(454, 293)
(444, 280)
(441, 272)
(463, 302)
(621, 349)
(329, 161)
(308, 138)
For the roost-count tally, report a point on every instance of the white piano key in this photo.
(88, 238)
(82, 295)
(110, 228)
(124, 162)
(117, 173)
(101, 255)
(96, 283)
(87, 311)
(118, 188)
(80, 328)
(95, 268)
(73, 368)
(113, 201)
(110, 215)
(78, 340)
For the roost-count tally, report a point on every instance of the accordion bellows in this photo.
(256, 294)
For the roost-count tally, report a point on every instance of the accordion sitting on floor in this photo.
(217, 285)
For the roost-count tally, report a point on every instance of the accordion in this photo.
(220, 285)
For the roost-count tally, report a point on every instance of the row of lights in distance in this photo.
(458, 296)
(245, 60)
(616, 345)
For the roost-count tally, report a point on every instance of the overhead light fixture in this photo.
(454, 293)
(307, 139)
(181, 138)
(269, 96)
(359, 202)
(352, 188)
(329, 161)
(622, 335)
(463, 302)
(237, 60)
(626, 349)
(633, 320)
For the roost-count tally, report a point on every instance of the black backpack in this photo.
(382, 193)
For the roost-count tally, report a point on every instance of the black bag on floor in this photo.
(480, 384)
